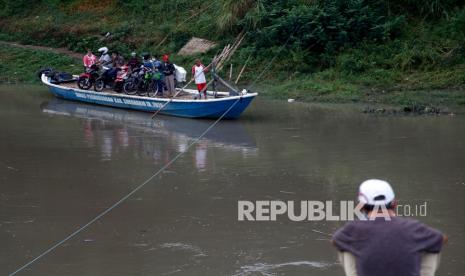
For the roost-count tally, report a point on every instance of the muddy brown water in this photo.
(62, 163)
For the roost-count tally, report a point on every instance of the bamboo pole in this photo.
(242, 70)
(223, 54)
(217, 62)
(230, 71)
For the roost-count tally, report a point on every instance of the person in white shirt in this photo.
(198, 74)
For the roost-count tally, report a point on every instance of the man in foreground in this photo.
(384, 244)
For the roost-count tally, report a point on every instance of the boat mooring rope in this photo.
(124, 198)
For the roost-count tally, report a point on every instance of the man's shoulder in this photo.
(408, 222)
(351, 227)
(401, 223)
(393, 221)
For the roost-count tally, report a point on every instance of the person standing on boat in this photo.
(168, 73)
(382, 243)
(198, 74)
(89, 59)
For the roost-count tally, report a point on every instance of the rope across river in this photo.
(226, 54)
(124, 198)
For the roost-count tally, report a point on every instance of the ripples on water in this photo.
(61, 163)
(270, 269)
(197, 251)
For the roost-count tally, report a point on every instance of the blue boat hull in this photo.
(212, 108)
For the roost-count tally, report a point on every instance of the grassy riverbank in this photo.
(443, 87)
(20, 65)
(390, 52)
(341, 91)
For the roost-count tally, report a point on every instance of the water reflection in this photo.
(55, 176)
(200, 156)
(114, 130)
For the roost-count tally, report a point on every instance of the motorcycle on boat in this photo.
(115, 81)
(87, 79)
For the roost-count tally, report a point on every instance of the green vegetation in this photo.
(387, 51)
(21, 65)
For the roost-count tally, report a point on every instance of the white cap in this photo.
(375, 192)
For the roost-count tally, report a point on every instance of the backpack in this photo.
(59, 77)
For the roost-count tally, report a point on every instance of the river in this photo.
(62, 163)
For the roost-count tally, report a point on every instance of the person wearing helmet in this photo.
(106, 62)
(384, 244)
(105, 59)
(134, 61)
(168, 72)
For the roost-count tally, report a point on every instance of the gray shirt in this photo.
(388, 248)
(105, 60)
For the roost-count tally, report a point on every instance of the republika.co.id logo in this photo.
(309, 210)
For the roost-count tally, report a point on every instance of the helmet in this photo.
(166, 58)
(133, 54)
(103, 50)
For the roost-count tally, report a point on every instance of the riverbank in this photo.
(382, 52)
(332, 89)
(20, 64)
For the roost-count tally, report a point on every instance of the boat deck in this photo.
(182, 95)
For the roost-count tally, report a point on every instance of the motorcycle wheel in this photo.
(129, 87)
(142, 90)
(99, 85)
(118, 87)
(84, 83)
(152, 90)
